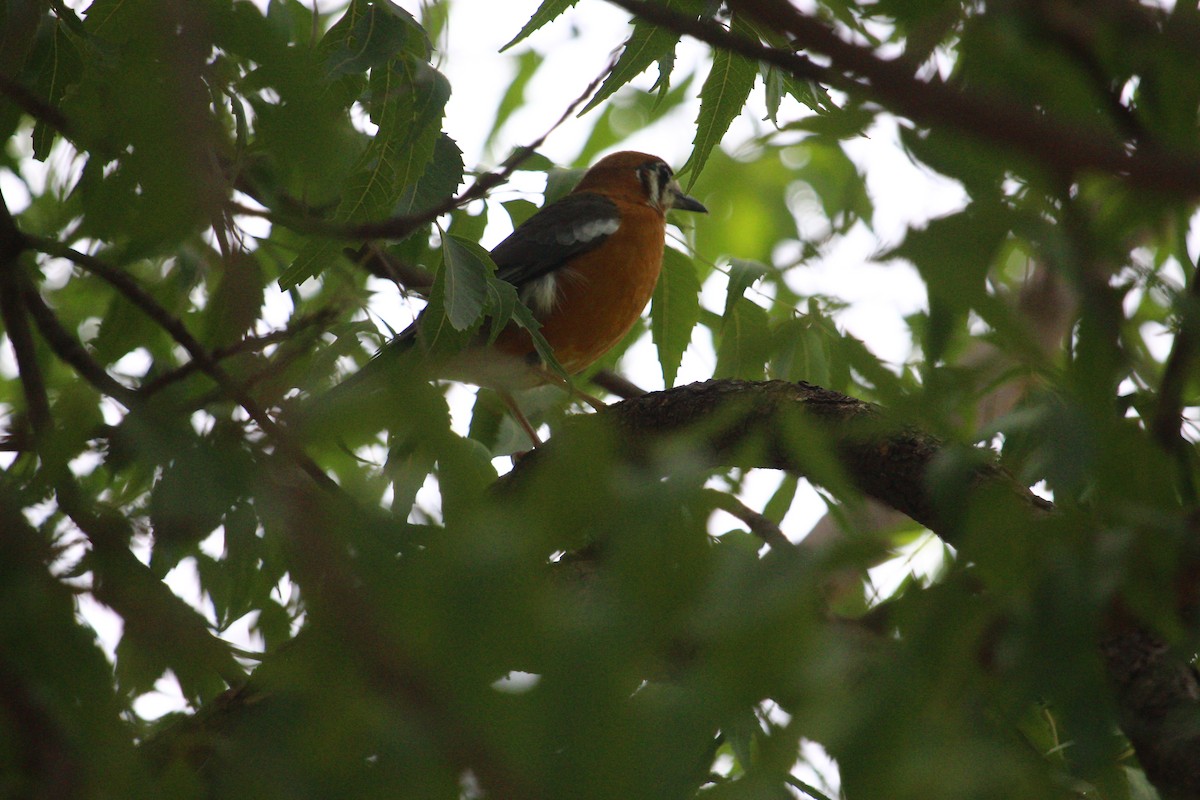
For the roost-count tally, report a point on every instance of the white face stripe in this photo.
(658, 182)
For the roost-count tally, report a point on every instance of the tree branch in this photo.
(1058, 147)
(204, 360)
(69, 349)
(881, 458)
(16, 323)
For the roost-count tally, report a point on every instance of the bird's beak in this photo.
(683, 202)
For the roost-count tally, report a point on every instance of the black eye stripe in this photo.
(655, 175)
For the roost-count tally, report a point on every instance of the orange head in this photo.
(637, 178)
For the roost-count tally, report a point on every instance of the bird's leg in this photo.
(511, 404)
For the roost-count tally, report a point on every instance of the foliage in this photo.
(190, 276)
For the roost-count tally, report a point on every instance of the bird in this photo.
(585, 265)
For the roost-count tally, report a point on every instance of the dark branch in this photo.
(70, 350)
(13, 244)
(1057, 147)
(759, 525)
(771, 425)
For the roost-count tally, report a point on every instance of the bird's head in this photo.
(639, 174)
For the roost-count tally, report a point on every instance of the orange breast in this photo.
(603, 293)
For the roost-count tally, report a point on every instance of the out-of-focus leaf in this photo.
(237, 302)
(953, 255)
(514, 96)
(837, 183)
(745, 342)
(58, 65)
(409, 98)
(742, 275)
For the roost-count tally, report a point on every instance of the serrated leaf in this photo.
(368, 35)
(745, 343)
(742, 275)
(722, 98)
(547, 12)
(408, 100)
(674, 311)
(465, 269)
(646, 45)
(441, 178)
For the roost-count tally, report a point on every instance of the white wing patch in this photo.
(592, 229)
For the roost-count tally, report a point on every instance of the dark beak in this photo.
(683, 202)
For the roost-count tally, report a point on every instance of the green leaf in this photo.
(58, 65)
(408, 101)
(646, 45)
(369, 35)
(781, 500)
(547, 12)
(953, 255)
(837, 183)
(440, 180)
(722, 98)
(745, 343)
(742, 275)
(465, 267)
(674, 311)
(519, 210)
(237, 301)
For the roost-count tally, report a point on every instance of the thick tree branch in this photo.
(762, 424)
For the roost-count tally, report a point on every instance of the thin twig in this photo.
(761, 526)
(70, 350)
(249, 344)
(205, 361)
